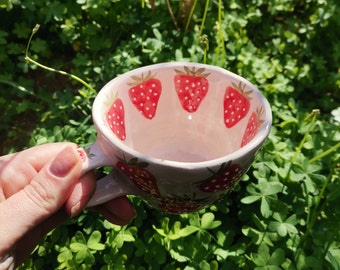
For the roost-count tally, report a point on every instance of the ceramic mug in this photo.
(179, 135)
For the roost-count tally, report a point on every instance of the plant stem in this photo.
(28, 59)
(14, 85)
(190, 16)
(313, 114)
(323, 154)
(220, 43)
(172, 15)
(312, 217)
(204, 16)
(202, 23)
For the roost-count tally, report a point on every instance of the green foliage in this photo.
(284, 213)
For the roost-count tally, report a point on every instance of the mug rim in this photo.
(250, 147)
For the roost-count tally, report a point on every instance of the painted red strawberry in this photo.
(224, 179)
(174, 205)
(115, 118)
(145, 93)
(236, 104)
(191, 86)
(253, 125)
(137, 173)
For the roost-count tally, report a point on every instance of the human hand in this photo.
(40, 188)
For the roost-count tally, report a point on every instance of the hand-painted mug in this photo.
(179, 135)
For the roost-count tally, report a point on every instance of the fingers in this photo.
(39, 154)
(43, 196)
(81, 194)
(16, 170)
(41, 188)
(118, 211)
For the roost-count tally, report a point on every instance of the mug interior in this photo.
(183, 112)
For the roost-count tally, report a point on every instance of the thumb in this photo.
(43, 196)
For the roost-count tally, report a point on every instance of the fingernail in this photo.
(79, 204)
(82, 154)
(76, 209)
(63, 163)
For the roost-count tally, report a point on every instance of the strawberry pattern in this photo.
(191, 85)
(139, 175)
(252, 126)
(145, 93)
(176, 205)
(236, 104)
(223, 180)
(116, 119)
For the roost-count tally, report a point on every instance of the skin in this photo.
(40, 188)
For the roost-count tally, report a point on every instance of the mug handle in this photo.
(109, 187)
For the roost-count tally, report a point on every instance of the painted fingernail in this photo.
(82, 154)
(63, 163)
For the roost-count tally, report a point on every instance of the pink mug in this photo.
(179, 135)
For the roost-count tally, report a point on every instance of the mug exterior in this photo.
(179, 183)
